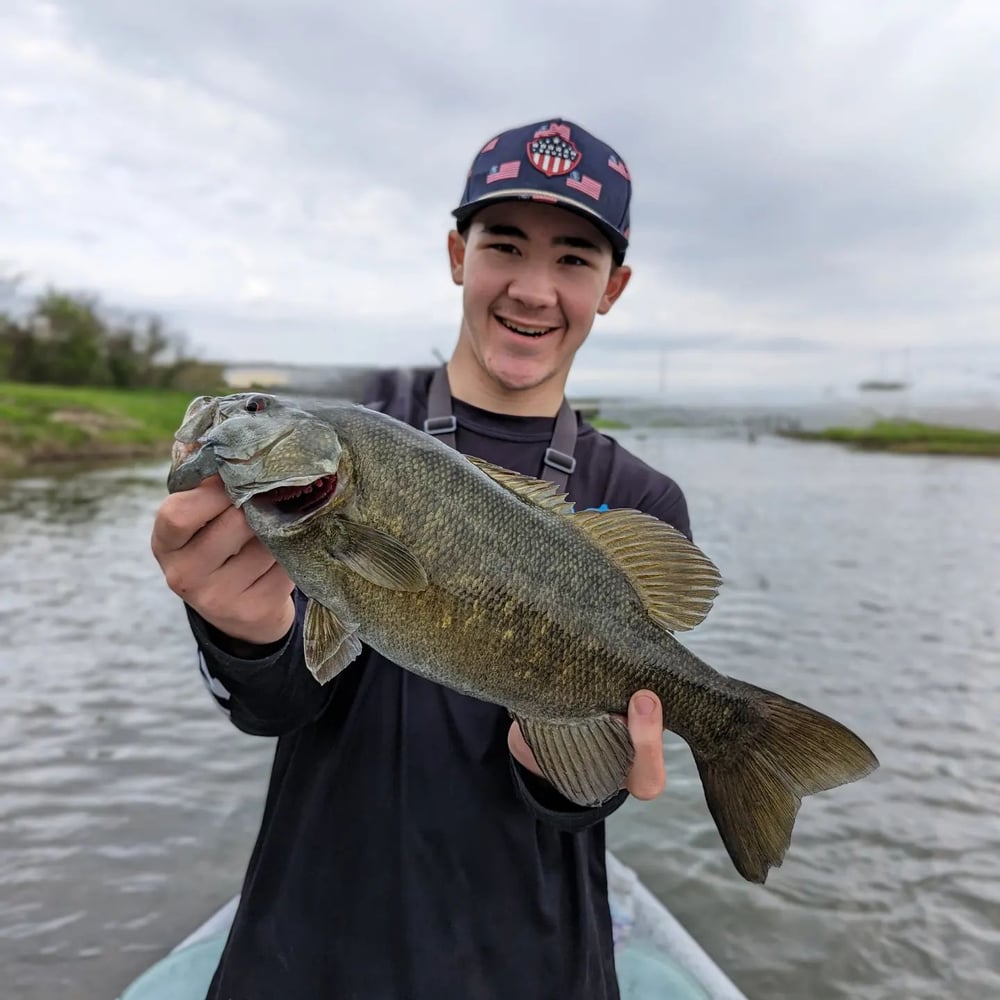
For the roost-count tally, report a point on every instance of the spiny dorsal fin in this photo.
(535, 491)
(675, 579)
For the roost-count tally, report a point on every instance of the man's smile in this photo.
(524, 330)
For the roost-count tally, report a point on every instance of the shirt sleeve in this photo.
(671, 506)
(265, 690)
(634, 483)
(550, 807)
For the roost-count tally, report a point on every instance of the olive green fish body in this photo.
(489, 583)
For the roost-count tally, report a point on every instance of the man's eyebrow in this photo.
(576, 242)
(501, 230)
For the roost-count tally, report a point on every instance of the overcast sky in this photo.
(817, 184)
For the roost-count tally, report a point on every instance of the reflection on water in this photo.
(864, 585)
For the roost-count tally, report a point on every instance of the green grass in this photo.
(608, 424)
(61, 423)
(909, 436)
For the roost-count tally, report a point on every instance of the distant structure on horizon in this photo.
(888, 384)
(882, 385)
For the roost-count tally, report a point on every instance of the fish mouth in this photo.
(299, 501)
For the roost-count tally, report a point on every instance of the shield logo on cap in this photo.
(552, 152)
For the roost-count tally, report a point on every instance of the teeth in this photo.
(520, 329)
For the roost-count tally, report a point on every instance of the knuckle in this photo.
(214, 602)
(171, 514)
(177, 580)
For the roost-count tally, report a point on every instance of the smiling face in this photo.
(533, 276)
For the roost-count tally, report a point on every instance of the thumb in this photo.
(520, 750)
(647, 776)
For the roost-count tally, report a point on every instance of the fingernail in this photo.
(644, 705)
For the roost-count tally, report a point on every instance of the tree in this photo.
(69, 339)
(75, 339)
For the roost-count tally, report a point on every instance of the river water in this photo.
(865, 585)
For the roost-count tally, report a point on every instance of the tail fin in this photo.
(754, 793)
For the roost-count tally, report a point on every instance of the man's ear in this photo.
(456, 256)
(617, 282)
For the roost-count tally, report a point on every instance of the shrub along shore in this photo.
(909, 437)
(45, 425)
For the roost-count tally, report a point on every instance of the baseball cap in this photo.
(558, 162)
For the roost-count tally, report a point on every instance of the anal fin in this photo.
(587, 760)
(329, 644)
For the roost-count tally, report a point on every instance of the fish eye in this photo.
(256, 404)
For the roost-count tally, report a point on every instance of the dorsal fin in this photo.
(675, 579)
(535, 491)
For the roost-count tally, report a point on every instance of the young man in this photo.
(410, 849)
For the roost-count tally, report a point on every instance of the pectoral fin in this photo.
(587, 760)
(329, 644)
(378, 557)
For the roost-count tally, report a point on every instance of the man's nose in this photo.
(534, 288)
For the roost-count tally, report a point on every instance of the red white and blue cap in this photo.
(557, 162)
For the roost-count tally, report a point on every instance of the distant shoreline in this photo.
(46, 427)
(908, 437)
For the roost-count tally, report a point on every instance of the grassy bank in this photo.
(42, 424)
(909, 436)
(608, 424)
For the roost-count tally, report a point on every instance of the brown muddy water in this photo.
(866, 585)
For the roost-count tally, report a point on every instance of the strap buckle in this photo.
(560, 461)
(441, 425)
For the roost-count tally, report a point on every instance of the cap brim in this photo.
(618, 242)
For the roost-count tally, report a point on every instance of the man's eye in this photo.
(504, 247)
(572, 258)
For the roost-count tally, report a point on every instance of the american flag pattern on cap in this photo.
(581, 182)
(503, 171)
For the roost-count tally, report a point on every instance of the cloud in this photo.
(812, 180)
